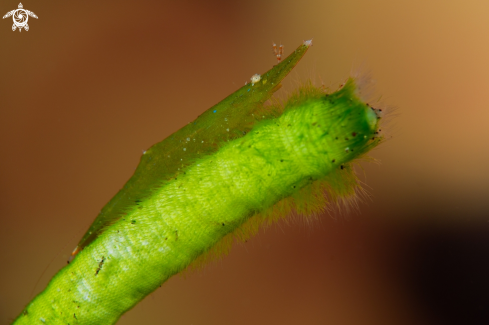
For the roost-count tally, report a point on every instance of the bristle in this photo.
(365, 84)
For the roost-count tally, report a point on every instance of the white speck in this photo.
(144, 242)
(225, 119)
(347, 149)
(42, 320)
(144, 152)
(227, 130)
(202, 141)
(255, 78)
(188, 139)
(308, 43)
(184, 149)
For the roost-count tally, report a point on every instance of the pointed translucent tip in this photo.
(308, 43)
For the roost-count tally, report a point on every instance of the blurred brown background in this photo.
(93, 84)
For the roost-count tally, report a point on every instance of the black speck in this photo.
(100, 265)
(281, 160)
(223, 224)
(133, 222)
(333, 160)
(342, 167)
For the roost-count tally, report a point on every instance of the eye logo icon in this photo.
(20, 17)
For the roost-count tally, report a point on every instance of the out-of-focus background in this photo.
(93, 84)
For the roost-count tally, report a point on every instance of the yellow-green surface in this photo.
(229, 119)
